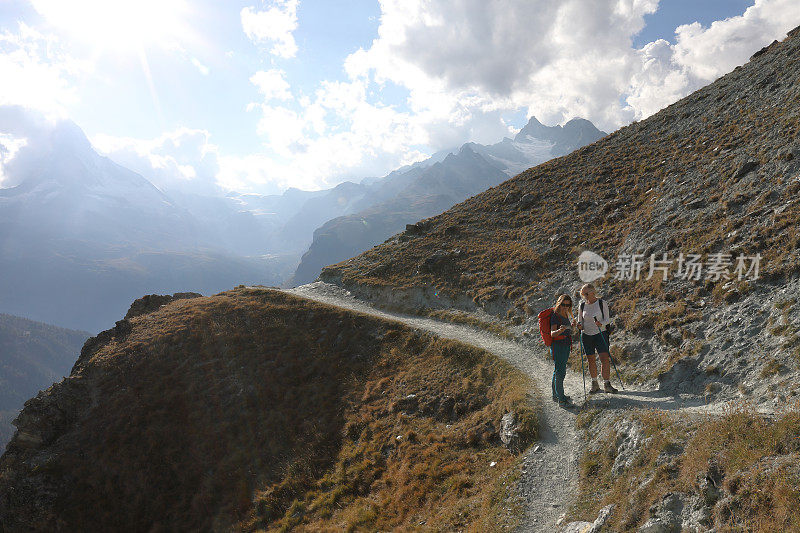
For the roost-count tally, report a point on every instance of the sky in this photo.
(259, 96)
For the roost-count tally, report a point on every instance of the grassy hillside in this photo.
(252, 410)
(692, 150)
(736, 472)
(716, 172)
(32, 356)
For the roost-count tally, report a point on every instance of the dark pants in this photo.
(560, 354)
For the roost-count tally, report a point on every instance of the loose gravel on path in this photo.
(550, 468)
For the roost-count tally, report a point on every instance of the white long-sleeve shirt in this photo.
(589, 312)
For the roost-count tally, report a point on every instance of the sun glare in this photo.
(119, 24)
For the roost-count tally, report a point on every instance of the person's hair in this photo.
(559, 300)
(585, 288)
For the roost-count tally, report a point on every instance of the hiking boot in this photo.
(610, 388)
(595, 388)
(565, 402)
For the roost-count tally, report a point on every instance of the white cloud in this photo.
(557, 59)
(708, 53)
(274, 25)
(9, 146)
(282, 128)
(203, 69)
(119, 25)
(464, 63)
(701, 55)
(659, 82)
(36, 72)
(272, 84)
(183, 159)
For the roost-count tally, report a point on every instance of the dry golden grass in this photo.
(253, 409)
(753, 457)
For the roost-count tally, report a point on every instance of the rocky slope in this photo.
(33, 355)
(258, 410)
(718, 172)
(658, 471)
(430, 188)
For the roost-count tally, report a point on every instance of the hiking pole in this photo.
(583, 371)
(580, 341)
(608, 345)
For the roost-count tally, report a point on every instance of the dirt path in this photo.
(549, 474)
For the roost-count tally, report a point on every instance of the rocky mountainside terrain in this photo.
(641, 459)
(716, 174)
(430, 188)
(299, 414)
(33, 355)
(257, 410)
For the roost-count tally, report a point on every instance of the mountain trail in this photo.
(549, 475)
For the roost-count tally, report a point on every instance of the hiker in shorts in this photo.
(593, 316)
(561, 333)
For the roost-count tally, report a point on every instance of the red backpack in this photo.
(545, 328)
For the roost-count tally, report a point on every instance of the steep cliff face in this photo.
(716, 173)
(254, 409)
(32, 356)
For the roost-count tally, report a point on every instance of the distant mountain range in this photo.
(81, 236)
(33, 355)
(433, 186)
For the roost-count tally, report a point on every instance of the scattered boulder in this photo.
(709, 485)
(419, 228)
(509, 434)
(677, 512)
(440, 260)
(696, 204)
(577, 527)
(527, 201)
(630, 439)
(665, 516)
(747, 167)
(591, 527)
(760, 52)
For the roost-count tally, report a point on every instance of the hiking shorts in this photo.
(594, 343)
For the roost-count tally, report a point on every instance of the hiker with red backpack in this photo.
(593, 320)
(555, 326)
